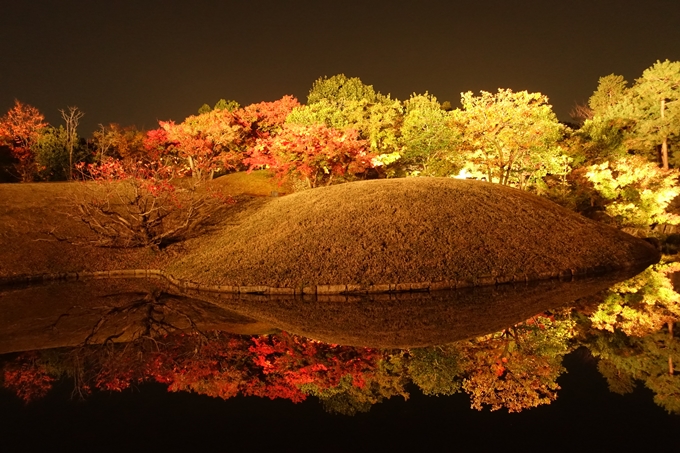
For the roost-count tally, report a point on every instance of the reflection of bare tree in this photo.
(154, 313)
(73, 313)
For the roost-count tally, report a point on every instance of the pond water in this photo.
(135, 363)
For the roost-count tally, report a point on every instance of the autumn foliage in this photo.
(219, 140)
(19, 130)
(317, 154)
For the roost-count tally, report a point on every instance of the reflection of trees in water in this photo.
(346, 379)
(630, 331)
(517, 368)
(154, 313)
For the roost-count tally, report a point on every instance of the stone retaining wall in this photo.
(482, 280)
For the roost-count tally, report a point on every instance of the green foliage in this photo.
(347, 103)
(644, 118)
(618, 380)
(428, 140)
(598, 140)
(51, 154)
(656, 97)
(340, 89)
(377, 123)
(222, 104)
(229, 105)
(610, 91)
(636, 191)
(510, 138)
(351, 396)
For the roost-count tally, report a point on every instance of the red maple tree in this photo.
(19, 129)
(316, 154)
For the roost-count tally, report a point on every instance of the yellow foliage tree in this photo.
(510, 138)
(637, 192)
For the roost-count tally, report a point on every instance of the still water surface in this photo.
(352, 373)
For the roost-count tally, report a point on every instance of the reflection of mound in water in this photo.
(414, 319)
(72, 313)
(94, 311)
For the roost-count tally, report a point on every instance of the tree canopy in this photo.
(510, 138)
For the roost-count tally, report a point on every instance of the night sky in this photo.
(138, 61)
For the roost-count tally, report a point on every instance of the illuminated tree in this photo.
(510, 138)
(646, 116)
(656, 96)
(632, 333)
(650, 359)
(316, 154)
(429, 142)
(19, 130)
(203, 141)
(141, 203)
(265, 119)
(219, 140)
(340, 89)
(222, 104)
(636, 192)
(230, 105)
(611, 90)
(342, 103)
(51, 154)
(119, 142)
(355, 393)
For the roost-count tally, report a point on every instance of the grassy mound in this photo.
(405, 230)
(40, 230)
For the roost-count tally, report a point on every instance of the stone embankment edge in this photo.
(482, 280)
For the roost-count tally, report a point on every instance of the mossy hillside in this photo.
(404, 230)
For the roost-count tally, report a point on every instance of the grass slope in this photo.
(403, 230)
(34, 217)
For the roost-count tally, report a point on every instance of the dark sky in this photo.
(137, 61)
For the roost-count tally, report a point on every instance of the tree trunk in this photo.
(664, 144)
(72, 119)
(670, 359)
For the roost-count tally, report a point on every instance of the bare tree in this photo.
(71, 118)
(580, 113)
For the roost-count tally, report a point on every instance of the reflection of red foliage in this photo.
(219, 365)
(289, 362)
(27, 378)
